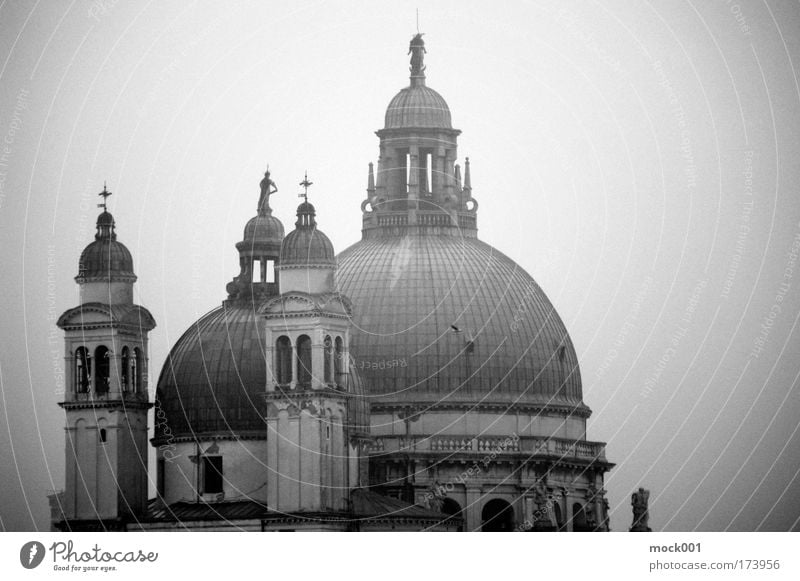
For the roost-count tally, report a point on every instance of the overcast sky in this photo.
(639, 160)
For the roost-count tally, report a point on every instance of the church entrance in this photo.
(497, 516)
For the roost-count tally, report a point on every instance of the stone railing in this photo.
(105, 396)
(528, 445)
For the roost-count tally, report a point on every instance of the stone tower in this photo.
(315, 414)
(106, 399)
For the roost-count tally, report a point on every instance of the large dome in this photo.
(214, 378)
(446, 318)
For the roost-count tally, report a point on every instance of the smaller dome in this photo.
(105, 257)
(105, 219)
(418, 106)
(306, 244)
(264, 228)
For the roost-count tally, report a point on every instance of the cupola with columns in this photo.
(259, 251)
(418, 187)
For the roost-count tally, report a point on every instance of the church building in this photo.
(418, 380)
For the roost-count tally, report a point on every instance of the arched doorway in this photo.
(453, 510)
(579, 522)
(497, 516)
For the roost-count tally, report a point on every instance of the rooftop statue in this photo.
(268, 188)
(639, 500)
(417, 51)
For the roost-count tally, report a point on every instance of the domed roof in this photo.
(444, 318)
(214, 377)
(264, 228)
(306, 244)
(418, 106)
(105, 257)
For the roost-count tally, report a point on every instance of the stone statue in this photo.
(433, 497)
(268, 188)
(639, 500)
(606, 524)
(417, 51)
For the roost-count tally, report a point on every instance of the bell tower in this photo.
(317, 416)
(106, 399)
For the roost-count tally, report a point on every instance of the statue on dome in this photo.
(268, 188)
(417, 51)
(639, 500)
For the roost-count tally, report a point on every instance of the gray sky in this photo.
(639, 160)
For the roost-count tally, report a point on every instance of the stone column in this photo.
(472, 510)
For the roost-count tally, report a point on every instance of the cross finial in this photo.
(305, 183)
(105, 193)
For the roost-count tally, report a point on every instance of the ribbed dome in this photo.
(510, 344)
(264, 228)
(306, 245)
(105, 257)
(418, 106)
(215, 376)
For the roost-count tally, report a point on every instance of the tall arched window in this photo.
(137, 367)
(124, 369)
(83, 370)
(283, 360)
(102, 367)
(304, 361)
(338, 362)
(328, 359)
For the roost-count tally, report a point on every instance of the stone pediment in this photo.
(299, 303)
(103, 315)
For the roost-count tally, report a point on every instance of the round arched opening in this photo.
(453, 510)
(579, 521)
(497, 516)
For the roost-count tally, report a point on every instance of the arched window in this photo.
(558, 515)
(304, 361)
(137, 367)
(497, 516)
(328, 359)
(124, 369)
(579, 523)
(283, 360)
(338, 362)
(102, 369)
(83, 370)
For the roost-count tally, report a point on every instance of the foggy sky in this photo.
(639, 160)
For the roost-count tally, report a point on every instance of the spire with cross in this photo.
(105, 193)
(305, 183)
